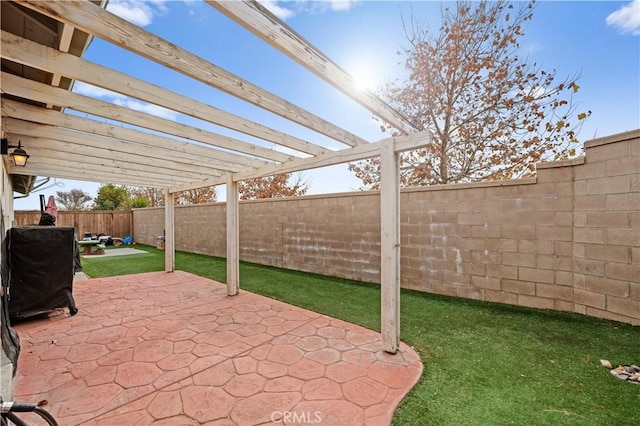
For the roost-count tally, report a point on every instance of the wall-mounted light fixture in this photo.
(18, 156)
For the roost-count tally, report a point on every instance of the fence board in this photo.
(113, 223)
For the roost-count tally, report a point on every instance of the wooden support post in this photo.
(233, 238)
(169, 233)
(390, 245)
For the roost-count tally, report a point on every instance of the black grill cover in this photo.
(41, 267)
(10, 339)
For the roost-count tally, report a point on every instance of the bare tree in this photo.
(282, 185)
(155, 196)
(75, 199)
(197, 196)
(493, 113)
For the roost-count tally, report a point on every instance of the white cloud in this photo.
(124, 101)
(289, 151)
(341, 4)
(145, 107)
(315, 7)
(531, 48)
(161, 6)
(626, 19)
(303, 6)
(281, 12)
(137, 12)
(93, 91)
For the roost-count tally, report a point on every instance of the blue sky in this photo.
(598, 40)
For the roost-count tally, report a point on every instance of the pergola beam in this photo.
(401, 143)
(64, 42)
(28, 89)
(34, 168)
(116, 151)
(100, 171)
(264, 24)
(149, 144)
(26, 52)
(89, 157)
(96, 21)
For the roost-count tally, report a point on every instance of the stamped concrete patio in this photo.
(173, 349)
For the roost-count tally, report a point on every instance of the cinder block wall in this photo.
(199, 229)
(606, 244)
(567, 240)
(507, 242)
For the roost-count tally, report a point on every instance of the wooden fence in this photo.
(112, 223)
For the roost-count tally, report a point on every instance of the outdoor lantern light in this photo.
(19, 156)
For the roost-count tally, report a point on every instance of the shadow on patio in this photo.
(163, 348)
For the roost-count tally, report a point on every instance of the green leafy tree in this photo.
(136, 203)
(493, 113)
(110, 197)
(154, 196)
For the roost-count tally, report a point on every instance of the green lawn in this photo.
(484, 363)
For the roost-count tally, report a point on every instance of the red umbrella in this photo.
(52, 209)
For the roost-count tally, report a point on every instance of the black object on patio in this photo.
(41, 263)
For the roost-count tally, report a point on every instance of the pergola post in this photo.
(169, 232)
(390, 245)
(233, 238)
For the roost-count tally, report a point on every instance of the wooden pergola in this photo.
(42, 48)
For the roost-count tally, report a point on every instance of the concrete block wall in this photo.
(335, 236)
(606, 244)
(506, 242)
(199, 229)
(148, 225)
(567, 240)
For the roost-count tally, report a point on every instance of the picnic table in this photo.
(88, 245)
